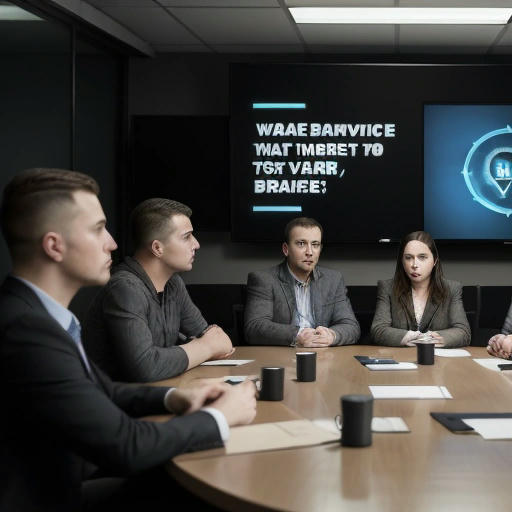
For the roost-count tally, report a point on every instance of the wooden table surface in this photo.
(428, 469)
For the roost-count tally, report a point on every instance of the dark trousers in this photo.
(151, 488)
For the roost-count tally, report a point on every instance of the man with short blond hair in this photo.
(143, 326)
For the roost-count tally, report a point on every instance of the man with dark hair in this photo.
(63, 417)
(297, 303)
(143, 326)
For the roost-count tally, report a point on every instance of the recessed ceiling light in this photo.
(13, 13)
(402, 15)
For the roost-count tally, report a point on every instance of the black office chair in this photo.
(363, 299)
(215, 301)
(471, 301)
(238, 324)
(494, 304)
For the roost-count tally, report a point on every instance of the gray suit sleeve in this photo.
(260, 329)
(507, 324)
(382, 331)
(458, 332)
(124, 311)
(343, 320)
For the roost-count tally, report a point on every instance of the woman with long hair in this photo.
(419, 301)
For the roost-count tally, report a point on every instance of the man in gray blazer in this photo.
(297, 303)
(500, 345)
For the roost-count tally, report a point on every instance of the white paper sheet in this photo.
(451, 352)
(391, 424)
(391, 367)
(414, 392)
(491, 428)
(491, 363)
(227, 362)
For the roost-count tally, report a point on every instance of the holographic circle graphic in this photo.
(488, 170)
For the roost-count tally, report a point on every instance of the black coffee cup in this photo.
(272, 383)
(425, 353)
(357, 414)
(306, 366)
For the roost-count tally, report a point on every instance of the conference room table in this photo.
(429, 468)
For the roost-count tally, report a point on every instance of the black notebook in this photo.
(453, 420)
(364, 360)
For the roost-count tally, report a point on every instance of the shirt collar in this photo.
(297, 280)
(57, 311)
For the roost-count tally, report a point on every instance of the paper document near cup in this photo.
(227, 362)
(411, 392)
(379, 424)
(451, 352)
(277, 436)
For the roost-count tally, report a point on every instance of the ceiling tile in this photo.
(219, 3)
(367, 35)
(339, 3)
(444, 50)
(506, 38)
(502, 50)
(238, 26)
(181, 48)
(122, 3)
(154, 24)
(448, 35)
(258, 48)
(352, 49)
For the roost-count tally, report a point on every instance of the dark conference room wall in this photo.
(36, 126)
(198, 85)
(32, 131)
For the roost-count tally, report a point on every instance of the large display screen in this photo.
(329, 142)
(468, 171)
(344, 144)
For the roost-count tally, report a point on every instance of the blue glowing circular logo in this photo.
(488, 171)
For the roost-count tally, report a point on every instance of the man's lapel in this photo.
(317, 298)
(20, 289)
(287, 285)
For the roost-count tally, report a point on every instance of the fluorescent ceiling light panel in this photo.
(13, 13)
(402, 15)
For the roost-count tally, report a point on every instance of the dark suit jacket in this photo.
(393, 318)
(271, 305)
(55, 417)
